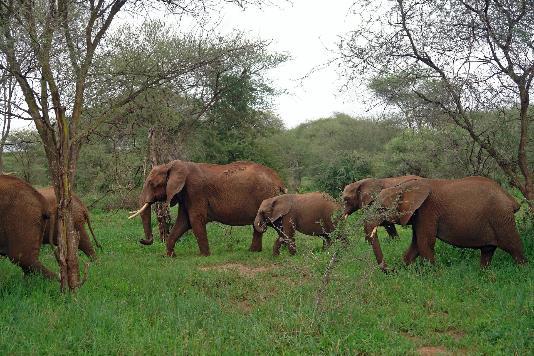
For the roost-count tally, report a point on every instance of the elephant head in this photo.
(164, 183)
(398, 204)
(360, 194)
(271, 210)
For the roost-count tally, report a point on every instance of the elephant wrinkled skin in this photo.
(310, 214)
(80, 218)
(24, 216)
(229, 194)
(472, 212)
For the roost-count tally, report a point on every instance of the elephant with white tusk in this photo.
(229, 194)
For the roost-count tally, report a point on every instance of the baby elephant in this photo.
(310, 214)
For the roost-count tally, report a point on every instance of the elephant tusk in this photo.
(373, 233)
(135, 213)
(345, 216)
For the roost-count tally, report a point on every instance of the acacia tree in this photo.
(8, 99)
(477, 56)
(50, 47)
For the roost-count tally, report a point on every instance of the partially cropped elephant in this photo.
(362, 193)
(309, 213)
(473, 212)
(80, 218)
(230, 194)
(24, 217)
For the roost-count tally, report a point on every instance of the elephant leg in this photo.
(391, 230)
(426, 230)
(85, 243)
(509, 240)
(256, 245)
(199, 229)
(289, 239)
(27, 259)
(180, 227)
(276, 246)
(372, 239)
(486, 254)
(37, 267)
(412, 252)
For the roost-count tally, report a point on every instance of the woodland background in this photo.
(110, 97)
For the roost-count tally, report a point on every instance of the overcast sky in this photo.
(308, 30)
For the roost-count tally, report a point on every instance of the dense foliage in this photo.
(324, 155)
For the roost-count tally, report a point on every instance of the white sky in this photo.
(307, 30)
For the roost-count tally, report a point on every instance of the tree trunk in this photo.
(1, 159)
(6, 125)
(64, 162)
(161, 209)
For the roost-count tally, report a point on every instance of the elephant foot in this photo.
(204, 254)
(170, 254)
(146, 242)
(384, 268)
(254, 249)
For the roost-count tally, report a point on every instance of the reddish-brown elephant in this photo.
(80, 217)
(24, 216)
(361, 194)
(473, 212)
(230, 194)
(310, 214)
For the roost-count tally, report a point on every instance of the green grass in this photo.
(137, 301)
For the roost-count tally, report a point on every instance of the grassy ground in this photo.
(136, 301)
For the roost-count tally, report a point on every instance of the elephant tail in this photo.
(88, 221)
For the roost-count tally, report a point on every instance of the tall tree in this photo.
(50, 48)
(460, 57)
(8, 99)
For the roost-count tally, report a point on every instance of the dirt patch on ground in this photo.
(409, 337)
(243, 270)
(432, 350)
(244, 306)
(455, 334)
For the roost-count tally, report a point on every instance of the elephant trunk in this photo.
(260, 224)
(146, 216)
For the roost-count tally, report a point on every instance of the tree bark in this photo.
(161, 209)
(6, 125)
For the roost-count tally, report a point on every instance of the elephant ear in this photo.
(413, 197)
(280, 208)
(176, 176)
(367, 192)
(403, 200)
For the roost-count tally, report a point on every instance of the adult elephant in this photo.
(80, 217)
(472, 212)
(361, 194)
(229, 194)
(24, 216)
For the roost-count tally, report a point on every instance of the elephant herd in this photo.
(472, 212)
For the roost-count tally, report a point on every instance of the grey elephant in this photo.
(472, 212)
(361, 194)
(80, 217)
(229, 194)
(24, 217)
(310, 214)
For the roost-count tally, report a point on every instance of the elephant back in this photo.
(20, 203)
